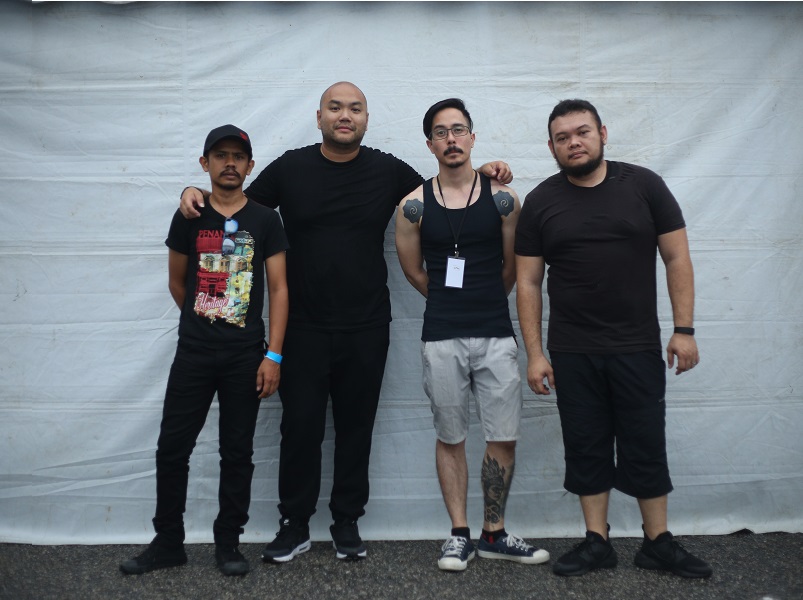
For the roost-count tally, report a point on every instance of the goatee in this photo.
(584, 169)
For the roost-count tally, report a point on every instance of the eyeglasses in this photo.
(230, 227)
(441, 133)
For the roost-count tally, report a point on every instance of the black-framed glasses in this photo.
(230, 227)
(441, 133)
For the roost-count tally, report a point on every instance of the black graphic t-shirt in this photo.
(226, 272)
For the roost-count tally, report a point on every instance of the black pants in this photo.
(349, 368)
(613, 417)
(194, 378)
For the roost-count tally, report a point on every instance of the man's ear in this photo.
(551, 148)
(204, 163)
(318, 118)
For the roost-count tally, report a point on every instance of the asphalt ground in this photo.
(746, 566)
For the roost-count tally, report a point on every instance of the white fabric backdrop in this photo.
(103, 112)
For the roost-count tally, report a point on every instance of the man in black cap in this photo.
(218, 265)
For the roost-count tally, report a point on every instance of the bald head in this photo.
(344, 88)
(343, 120)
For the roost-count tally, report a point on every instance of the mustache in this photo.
(452, 150)
(230, 172)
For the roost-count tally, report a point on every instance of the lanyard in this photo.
(465, 212)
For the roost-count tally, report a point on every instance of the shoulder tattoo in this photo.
(504, 203)
(413, 209)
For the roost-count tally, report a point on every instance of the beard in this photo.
(455, 164)
(584, 169)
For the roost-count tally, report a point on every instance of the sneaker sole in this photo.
(454, 564)
(643, 561)
(608, 563)
(234, 569)
(353, 555)
(540, 556)
(300, 549)
(137, 570)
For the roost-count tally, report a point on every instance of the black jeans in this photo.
(349, 367)
(196, 374)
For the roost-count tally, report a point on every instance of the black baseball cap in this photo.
(225, 132)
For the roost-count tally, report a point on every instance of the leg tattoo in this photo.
(495, 487)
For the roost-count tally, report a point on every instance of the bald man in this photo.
(336, 198)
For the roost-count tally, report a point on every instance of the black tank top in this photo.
(480, 307)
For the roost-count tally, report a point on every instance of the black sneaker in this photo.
(665, 554)
(347, 541)
(291, 539)
(594, 553)
(230, 561)
(154, 557)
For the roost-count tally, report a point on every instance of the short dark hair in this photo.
(564, 107)
(443, 104)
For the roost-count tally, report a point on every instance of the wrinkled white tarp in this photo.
(103, 112)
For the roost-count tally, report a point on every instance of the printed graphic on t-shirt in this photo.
(225, 275)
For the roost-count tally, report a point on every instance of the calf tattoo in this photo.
(504, 203)
(413, 209)
(495, 487)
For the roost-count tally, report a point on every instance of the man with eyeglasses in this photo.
(598, 224)
(218, 265)
(461, 224)
(336, 198)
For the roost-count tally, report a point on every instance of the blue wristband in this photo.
(277, 358)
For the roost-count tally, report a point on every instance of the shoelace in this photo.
(578, 548)
(678, 550)
(515, 542)
(286, 529)
(455, 544)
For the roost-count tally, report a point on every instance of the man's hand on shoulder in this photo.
(498, 170)
(191, 197)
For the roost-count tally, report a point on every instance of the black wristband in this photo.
(685, 330)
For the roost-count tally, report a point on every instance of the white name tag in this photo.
(454, 271)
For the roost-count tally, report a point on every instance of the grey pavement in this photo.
(746, 567)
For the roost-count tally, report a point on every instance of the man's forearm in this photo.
(530, 309)
(680, 285)
(179, 294)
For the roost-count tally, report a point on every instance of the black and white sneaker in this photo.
(513, 548)
(347, 541)
(291, 539)
(456, 553)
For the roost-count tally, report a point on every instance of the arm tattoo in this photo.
(413, 209)
(504, 203)
(495, 488)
